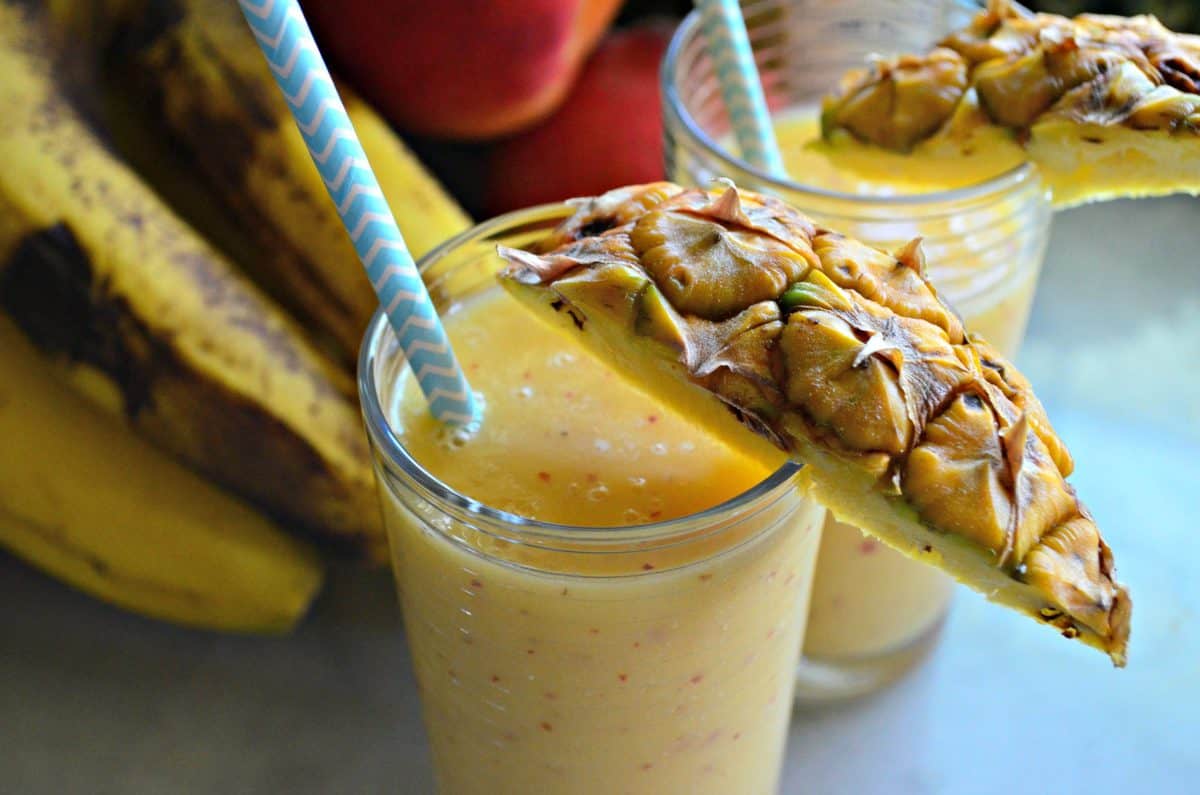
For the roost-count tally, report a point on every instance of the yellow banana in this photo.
(196, 67)
(91, 504)
(145, 318)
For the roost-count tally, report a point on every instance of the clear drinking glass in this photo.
(554, 659)
(873, 612)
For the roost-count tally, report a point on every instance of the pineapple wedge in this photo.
(1106, 106)
(741, 313)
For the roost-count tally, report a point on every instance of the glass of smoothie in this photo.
(597, 599)
(984, 224)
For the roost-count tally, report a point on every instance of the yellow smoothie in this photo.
(868, 600)
(872, 171)
(658, 668)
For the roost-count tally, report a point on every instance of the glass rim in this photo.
(675, 108)
(387, 442)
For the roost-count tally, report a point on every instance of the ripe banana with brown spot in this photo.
(196, 68)
(90, 503)
(148, 320)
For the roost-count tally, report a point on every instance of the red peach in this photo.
(469, 69)
(607, 133)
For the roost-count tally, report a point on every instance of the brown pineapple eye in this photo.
(902, 101)
(955, 475)
(858, 398)
(709, 270)
(1055, 566)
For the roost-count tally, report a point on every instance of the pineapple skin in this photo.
(844, 357)
(1024, 70)
(1107, 106)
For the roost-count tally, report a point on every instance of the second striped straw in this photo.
(741, 86)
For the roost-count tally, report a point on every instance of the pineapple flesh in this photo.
(741, 313)
(1106, 106)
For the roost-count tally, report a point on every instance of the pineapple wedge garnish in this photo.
(776, 334)
(1106, 106)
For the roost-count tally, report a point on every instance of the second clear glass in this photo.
(873, 613)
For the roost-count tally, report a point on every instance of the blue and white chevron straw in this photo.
(292, 54)
(741, 87)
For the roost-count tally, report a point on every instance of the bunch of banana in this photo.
(192, 68)
(103, 287)
(109, 297)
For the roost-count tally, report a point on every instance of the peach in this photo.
(607, 133)
(470, 69)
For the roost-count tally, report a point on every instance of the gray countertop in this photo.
(96, 701)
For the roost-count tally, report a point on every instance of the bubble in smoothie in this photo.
(455, 437)
(598, 492)
(634, 516)
(561, 359)
(521, 507)
(472, 336)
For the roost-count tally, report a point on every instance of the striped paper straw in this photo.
(287, 43)
(741, 87)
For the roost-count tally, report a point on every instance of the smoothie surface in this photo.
(563, 439)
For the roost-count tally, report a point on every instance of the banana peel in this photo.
(93, 505)
(147, 320)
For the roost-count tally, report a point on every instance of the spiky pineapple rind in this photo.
(1121, 86)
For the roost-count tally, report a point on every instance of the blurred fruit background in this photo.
(179, 306)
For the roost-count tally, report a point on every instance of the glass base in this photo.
(823, 681)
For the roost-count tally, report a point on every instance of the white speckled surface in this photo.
(95, 701)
